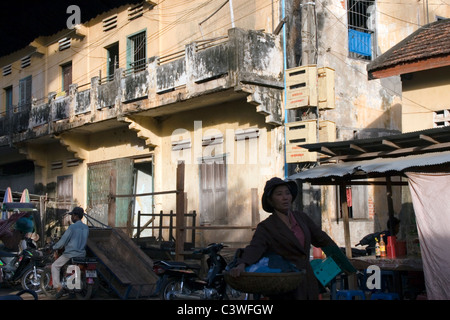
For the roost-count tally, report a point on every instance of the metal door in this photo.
(114, 177)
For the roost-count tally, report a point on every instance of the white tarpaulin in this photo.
(430, 193)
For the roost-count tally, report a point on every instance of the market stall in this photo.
(422, 159)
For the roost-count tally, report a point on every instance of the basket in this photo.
(265, 283)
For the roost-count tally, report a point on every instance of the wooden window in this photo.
(8, 98)
(213, 191)
(64, 194)
(113, 60)
(66, 76)
(25, 91)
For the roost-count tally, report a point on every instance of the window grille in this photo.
(441, 118)
(25, 62)
(135, 12)
(7, 70)
(55, 165)
(361, 28)
(109, 23)
(137, 47)
(64, 43)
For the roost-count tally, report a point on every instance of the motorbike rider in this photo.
(12, 239)
(74, 242)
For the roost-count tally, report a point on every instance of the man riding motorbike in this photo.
(74, 242)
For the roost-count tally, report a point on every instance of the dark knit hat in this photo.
(270, 185)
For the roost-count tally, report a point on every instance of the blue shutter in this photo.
(360, 42)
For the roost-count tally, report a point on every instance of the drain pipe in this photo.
(231, 13)
(283, 13)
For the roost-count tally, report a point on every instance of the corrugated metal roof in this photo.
(423, 141)
(378, 165)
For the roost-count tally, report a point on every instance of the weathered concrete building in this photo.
(346, 36)
(109, 106)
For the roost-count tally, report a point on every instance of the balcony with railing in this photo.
(245, 63)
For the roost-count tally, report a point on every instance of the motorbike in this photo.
(78, 276)
(38, 259)
(179, 280)
(24, 267)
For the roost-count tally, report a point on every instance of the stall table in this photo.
(394, 264)
(401, 266)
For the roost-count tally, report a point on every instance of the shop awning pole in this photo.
(344, 210)
(390, 202)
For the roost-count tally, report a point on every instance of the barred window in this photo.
(136, 51)
(361, 28)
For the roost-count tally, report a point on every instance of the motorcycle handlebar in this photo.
(212, 246)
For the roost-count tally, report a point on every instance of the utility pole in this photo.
(309, 40)
(308, 33)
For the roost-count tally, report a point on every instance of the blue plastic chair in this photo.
(384, 296)
(350, 295)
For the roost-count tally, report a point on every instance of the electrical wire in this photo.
(180, 20)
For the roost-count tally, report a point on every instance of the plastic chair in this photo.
(340, 282)
(387, 280)
(384, 296)
(350, 295)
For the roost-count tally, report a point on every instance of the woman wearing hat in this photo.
(286, 233)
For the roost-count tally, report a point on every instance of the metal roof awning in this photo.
(357, 161)
(369, 168)
(405, 144)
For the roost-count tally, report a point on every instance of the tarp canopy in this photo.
(359, 169)
(430, 193)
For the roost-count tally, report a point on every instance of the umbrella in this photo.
(7, 198)
(8, 195)
(25, 196)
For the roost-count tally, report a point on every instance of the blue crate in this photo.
(325, 270)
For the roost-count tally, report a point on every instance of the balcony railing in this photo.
(241, 57)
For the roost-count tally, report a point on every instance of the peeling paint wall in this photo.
(363, 108)
(424, 92)
(249, 163)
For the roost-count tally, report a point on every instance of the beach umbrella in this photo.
(25, 196)
(7, 198)
(8, 195)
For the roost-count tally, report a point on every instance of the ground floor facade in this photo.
(228, 149)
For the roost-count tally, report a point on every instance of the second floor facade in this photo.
(149, 55)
